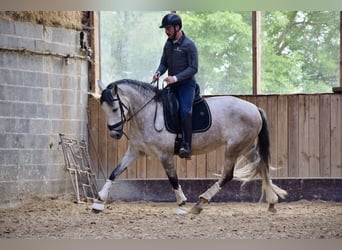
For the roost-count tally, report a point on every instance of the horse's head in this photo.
(115, 108)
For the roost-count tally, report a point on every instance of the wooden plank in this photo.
(315, 119)
(151, 167)
(336, 136)
(93, 139)
(160, 171)
(282, 135)
(251, 99)
(141, 167)
(303, 146)
(191, 167)
(211, 164)
(112, 151)
(220, 158)
(95, 116)
(272, 120)
(181, 167)
(324, 135)
(155, 168)
(314, 135)
(102, 140)
(261, 102)
(132, 168)
(201, 166)
(293, 135)
(122, 147)
(112, 154)
(243, 97)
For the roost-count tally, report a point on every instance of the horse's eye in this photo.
(115, 109)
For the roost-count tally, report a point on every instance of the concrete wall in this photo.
(40, 96)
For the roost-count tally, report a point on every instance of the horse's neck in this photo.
(138, 102)
(143, 109)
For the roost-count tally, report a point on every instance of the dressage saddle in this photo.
(201, 116)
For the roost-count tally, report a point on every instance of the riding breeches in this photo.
(185, 93)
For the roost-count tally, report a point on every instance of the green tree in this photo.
(300, 51)
(131, 44)
(224, 42)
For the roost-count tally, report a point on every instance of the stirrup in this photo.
(184, 153)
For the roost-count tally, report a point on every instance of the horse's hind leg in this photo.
(227, 175)
(256, 166)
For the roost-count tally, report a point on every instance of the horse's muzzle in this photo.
(116, 130)
(116, 134)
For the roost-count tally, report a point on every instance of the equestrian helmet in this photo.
(171, 20)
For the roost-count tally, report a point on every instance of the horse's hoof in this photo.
(197, 208)
(95, 211)
(271, 208)
(181, 210)
(98, 206)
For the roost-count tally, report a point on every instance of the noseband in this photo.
(123, 117)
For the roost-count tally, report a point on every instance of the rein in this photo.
(123, 117)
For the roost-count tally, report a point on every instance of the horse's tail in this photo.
(264, 141)
(258, 158)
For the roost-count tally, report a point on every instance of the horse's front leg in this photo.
(103, 194)
(170, 170)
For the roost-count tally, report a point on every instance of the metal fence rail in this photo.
(78, 164)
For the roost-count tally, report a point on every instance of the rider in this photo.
(180, 58)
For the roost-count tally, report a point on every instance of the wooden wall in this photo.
(305, 132)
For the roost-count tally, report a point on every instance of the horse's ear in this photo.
(101, 85)
(97, 96)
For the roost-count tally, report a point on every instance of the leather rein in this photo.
(123, 117)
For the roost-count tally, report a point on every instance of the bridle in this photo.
(123, 119)
(122, 114)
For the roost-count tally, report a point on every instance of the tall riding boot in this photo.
(185, 150)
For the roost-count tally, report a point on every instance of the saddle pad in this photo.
(201, 118)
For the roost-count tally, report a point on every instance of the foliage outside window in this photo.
(224, 43)
(300, 50)
(131, 44)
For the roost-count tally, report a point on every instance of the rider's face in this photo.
(170, 31)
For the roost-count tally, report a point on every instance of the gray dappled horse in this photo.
(237, 124)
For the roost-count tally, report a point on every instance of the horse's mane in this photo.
(140, 86)
(136, 84)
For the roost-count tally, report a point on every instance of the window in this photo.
(131, 44)
(300, 51)
(224, 43)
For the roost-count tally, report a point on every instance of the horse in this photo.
(239, 125)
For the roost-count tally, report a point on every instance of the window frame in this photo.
(95, 72)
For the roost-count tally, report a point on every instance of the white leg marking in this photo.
(211, 192)
(104, 192)
(180, 197)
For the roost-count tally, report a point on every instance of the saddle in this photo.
(201, 116)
